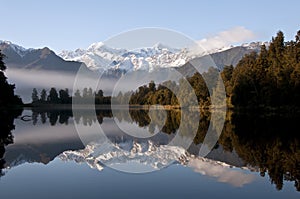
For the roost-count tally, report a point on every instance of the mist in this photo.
(25, 80)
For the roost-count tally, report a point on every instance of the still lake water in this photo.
(47, 159)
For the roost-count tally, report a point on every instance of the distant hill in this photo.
(224, 58)
(36, 59)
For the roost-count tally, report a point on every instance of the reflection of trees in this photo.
(6, 126)
(141, 117)
(53, 115)
(62, 116)
(271, 143)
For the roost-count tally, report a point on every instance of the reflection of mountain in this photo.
(41, 143)
(41, 153)
(143, 153)
(151, 157)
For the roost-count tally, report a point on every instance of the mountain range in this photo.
(99, 57)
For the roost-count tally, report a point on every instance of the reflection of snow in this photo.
(145, 154)
(156, 157)
(221, 171)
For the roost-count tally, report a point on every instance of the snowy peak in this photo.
(18, 49)
(255, 45)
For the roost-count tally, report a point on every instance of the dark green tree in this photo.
(53, 96)
(43, 96)
(34, 96)
(7, 95)
(64, 96)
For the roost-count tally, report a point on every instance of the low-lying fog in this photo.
(25, 80)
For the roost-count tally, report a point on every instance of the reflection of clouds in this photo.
(221, 171)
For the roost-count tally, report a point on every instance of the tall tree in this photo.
(7, 95)
(43, 95)
(64, 96)
(2, 65)
(53, 96)
(34, 96)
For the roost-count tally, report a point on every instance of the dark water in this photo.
(44, 156)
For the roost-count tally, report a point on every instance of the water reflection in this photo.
(268, 144)
(6, 127)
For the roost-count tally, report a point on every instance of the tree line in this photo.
(63, 97)
(164, 93)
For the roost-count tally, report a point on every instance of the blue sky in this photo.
(72, 24)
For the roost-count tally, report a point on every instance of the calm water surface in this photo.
(47, 159)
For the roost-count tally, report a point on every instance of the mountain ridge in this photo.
(99, 57)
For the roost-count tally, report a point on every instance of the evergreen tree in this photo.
(7, 95)
(43, 96)
(34, 96)
(64, 96)
(85, 93)
(2, 65)
(53, 96)
(77, 94)
(90, 92)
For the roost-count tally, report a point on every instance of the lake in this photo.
(59, 154)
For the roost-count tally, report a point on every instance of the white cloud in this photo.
(226, 38)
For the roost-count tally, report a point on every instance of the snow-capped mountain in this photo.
(101, 57)
(98, 56)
